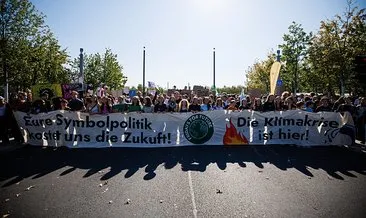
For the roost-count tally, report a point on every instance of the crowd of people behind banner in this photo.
(104, 103)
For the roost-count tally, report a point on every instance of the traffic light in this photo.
(360, 69)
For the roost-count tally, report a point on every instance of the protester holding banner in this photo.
(135, 105)
(160, 106)
(257, 106)
(121, 106)
(324, 105)
(106, 105)
(219, 105)
(289, 103)
(147, 107)
(269, 104)
(64, 104)
(172, 105)
(39, 106)
(300, 105)
(225, 101)
(194, 106)
(183, 106)
(178, 97)
(206, 106)
(309, 106)
(244, 104)
(232, 106)
(278, 103)
(75, 103)
(192, 103)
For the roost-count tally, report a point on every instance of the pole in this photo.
(214, 65)
(278, 88)
(278, 57)
(295, 88)
(143, 73)
(82, 68)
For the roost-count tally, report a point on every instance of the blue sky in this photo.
(179, 35)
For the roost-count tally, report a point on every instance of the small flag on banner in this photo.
(151, 84)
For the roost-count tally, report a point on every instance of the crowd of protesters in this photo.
(183, 103)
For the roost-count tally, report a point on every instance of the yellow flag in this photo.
(275, 72)
(53, 90)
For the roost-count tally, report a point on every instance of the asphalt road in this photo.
(276, 181)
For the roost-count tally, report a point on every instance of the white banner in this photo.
(73, 129)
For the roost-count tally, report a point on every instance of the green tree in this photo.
(258, 74)
(74, 69)
(29, 52)
(231, 90)
(100, 68)
(294, 50)
(334, 48)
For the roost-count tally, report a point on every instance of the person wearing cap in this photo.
(5, 118)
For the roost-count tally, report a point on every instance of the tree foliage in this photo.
(230, 90)
(294, 51)
(322, 62)
(30, 53)
(100, 69)
(258, 74)
(334, 48)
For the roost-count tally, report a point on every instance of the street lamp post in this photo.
(214, 66)
(82, 68)
(278, 86)
(143, 73)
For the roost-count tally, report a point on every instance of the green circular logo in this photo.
(198, 129)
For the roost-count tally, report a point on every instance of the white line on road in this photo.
(192, 194)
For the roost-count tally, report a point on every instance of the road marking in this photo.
(192, 194)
